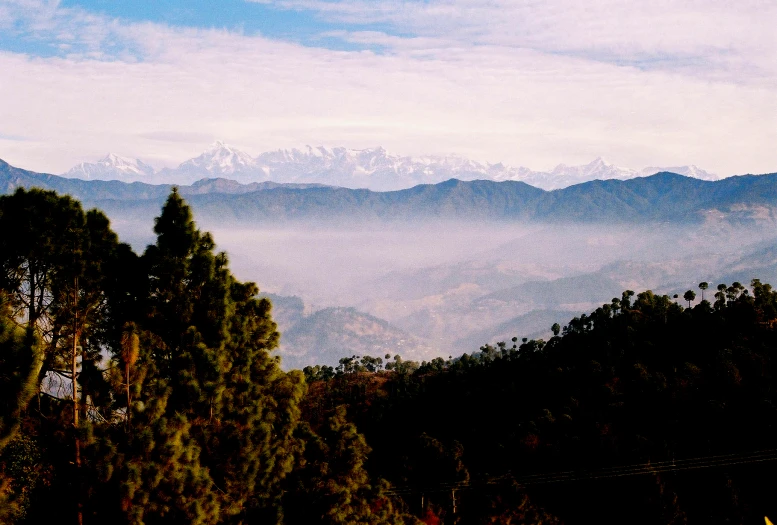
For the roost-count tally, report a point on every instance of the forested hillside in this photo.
(644, 411)
(141, 389)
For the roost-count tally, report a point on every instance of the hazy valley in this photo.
(441, 269)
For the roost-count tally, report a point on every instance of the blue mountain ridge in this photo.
(663, 197)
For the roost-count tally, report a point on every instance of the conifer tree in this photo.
(212, 418)
(253, 445)
(53, 261)
(179, 377)
(34, 224)
(52, 267)
(703, 286)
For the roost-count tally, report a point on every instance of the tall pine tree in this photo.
(211, 432)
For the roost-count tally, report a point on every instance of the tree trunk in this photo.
(31, 315)
(127, 367)
(76, 408)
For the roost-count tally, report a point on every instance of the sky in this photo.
(524, 82)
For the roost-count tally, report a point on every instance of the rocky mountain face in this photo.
(372, 168)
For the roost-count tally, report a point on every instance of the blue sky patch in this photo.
(249, 18)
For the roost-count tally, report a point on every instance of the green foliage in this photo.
(356, 364)
(638, 379)
(56, 267)
(193, 421)
(703, 286)
(19, 367)
(332, 485)
(39, 245)
(402, 367)
(20, 364)
(211, 433)
(689, 296)
(21, 476)
(318, 373)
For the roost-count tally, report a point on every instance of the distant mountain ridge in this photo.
(113, 167)
(96, 189)
(372, 168)
(664, 197)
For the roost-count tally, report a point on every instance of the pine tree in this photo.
(175, 381)
(52, 267)
(53, 261)
(212, 417)
(253, 444)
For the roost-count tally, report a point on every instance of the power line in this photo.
(610, 472)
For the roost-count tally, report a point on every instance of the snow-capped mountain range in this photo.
(372, 168)
(113, 167)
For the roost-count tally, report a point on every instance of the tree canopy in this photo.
(158, 397)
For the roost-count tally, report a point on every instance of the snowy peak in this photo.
(563, 176)
(321, 155)
(598, 168)
(218, 160)
(373, 168)
(112, 167)
(599, 165)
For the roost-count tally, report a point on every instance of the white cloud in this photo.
(708, 34)
(163, 93)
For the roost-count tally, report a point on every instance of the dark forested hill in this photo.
(642, 412)
(663, 197)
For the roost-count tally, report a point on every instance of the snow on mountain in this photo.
(375, 168)
(372, 168)
(220, 160)
(378, 170)
(599, 169)
(689, 171)
(562, 175)
(112, 167)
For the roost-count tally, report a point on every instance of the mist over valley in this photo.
(442, 269)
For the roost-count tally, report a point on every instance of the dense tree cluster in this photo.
(141, 389)
(577, 421)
